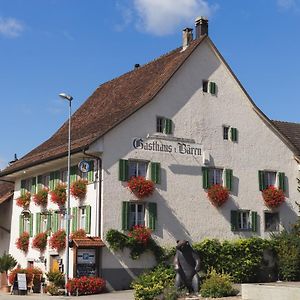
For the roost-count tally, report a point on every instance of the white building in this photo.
(184, 121)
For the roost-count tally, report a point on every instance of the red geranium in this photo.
(40, 241)
(59, 194)
(85, 285)
(273, 197)
(13, 274)
(217, 194)
(22, 242)
(78, 189)
(58, 240)
(140, 234)
(41, 197)
(140, 186)
(24, 200)
(78, 234)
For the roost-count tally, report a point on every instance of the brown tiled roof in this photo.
(291, 131)
(89, 242)
(111, 103)
(6, 191)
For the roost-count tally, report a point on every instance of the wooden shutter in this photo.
(37, 223)
(261, 180)
(54, 226)
(205, 180)
(123, 170)
(228, 179)
(168, 126)
(23, 186)
(73, 174)
(39, 182)
(74, 218)
(56, 178)
(152, 210)
(234, 220)
(33, 185)
(21, 224)
(49, 224)
(233, 133)
(51, 181)
(31, 225)
(90, 175)
(254, 221)
(281, 180)
(125, 215)
(88, 219)
(155, 172)
(212, 88)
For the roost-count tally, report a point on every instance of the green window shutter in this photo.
(37, 223)
(51, 182)
(88, 219)
(90, 175)
(39, 182)
(31, 225)
(261, 180)
(75, 218)
(73, 174)
(56, 178)
(205, 181)
(33, 185)
(168, 126)
(49, 224)
(155, 172)
(212, 88)
(234, 220)
(254, 221)
(123, 170)
(228, 179)
(125, 215)
(23, 187)
(152, 209)
(54, 226)
(21, 224)
(233, 133)
(281, 177)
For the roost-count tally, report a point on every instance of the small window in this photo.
(205, 86)
(225, 132)
(160, 124)
(271, 221)
(46, 180)
(61, 221)
(137, 168)
(164, 125)
(269, 178)
(64, 175)
(215, 176)
(244, 220)
(43, 223)
(26, 222)
(136, 214)
(82, 218)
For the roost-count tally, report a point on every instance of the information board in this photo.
(22, 284)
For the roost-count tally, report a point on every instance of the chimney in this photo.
(187, 37)
(136, 66)
(201, 24)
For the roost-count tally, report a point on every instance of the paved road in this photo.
(122, 295)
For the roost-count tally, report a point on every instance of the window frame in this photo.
(137, 162)
(137, 220)
(215, 177)
(80, 224)
(240, 220)
(205, 86)
(160, 128)
(226, 130)
(266, 174)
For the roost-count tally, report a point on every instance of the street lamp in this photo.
(68, 98)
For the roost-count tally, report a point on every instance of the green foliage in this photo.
(116, 239)
(7, 263)
(54, 290)
(153, 283)
(217, 285)
(57, 278)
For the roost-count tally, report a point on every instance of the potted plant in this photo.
(140, 234)
(59, 194)
(41, 197)
(78, 189)
(273, 196)
(58, 240)
(140, 186)
(24, 200)
(22, 242)
(78, 234)
(217, 194)
(40, 241)
(7, 263)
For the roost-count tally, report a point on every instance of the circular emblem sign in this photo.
(84, 166)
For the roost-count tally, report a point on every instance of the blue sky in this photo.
(72, 46)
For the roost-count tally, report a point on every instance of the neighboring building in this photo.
(183, 120)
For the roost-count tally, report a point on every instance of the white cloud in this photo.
(286, 4)
(162, 17)
(10, 27)
(126, 16)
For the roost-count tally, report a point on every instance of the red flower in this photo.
(41, 197)
(24, 200)
(59, 194)
(273, 197)
(22, 242)
(85, 285)
(40, 241)
(140, 234)
(58, 240)
(140, 186)
(79, 234)
(78, 189)
(217, 194)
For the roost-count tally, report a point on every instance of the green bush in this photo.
(217, 285)
(57, 278)
(153, 283)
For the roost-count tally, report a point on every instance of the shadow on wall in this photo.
(288, 214)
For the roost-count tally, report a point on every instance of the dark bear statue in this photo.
(187, 266)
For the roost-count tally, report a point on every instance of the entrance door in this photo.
(54, 263)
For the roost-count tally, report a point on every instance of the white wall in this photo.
(5, 220)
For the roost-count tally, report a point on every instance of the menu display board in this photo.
(22, 284)
(86, 262)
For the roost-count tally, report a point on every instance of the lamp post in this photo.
(68, 98)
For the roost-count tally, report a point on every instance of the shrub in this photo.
(22, 242)
(7, 262)
(13, 274)
(78, 189)
(24, 200)
(217, 194)
(78, 234)
(57, 278)
(273, 197)
(153, 283)
(41, 197)
(40, 241)
(85, 285)
(58, 240)
(54, 290)
(59, 194)
(140, 186)
(217, 285)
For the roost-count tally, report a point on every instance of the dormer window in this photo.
(164, 125)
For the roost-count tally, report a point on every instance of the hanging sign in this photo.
(84, 166)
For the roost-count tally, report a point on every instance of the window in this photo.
(58, 221)
(28, 185)
(137, 168)
(211, 176)
(243, 220)
(271, 221)
(136, 214)
(46, 180)
(164, 125)
(64, 175)
(82, 218)
(26, 223)
(225, 132)
(205, 86)
(215, 176)
(43, 222)
(212, 88)
(160, 124)
(268, 178)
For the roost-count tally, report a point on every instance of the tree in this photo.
(7, 262)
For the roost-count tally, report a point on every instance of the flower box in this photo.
(273, 196)
(58, 240)
(22, 242)
(85, 286)
(140, 186)
(140, 234)
(78, 234)
(40, 241)
(79, 188)
(59, 195)
(217, 194)
(24, 200)
(41, 197)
